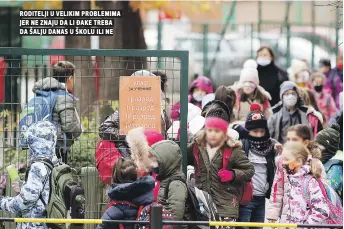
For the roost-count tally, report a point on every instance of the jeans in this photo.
(253, 212)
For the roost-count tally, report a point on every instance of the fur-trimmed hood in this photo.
(141, 153)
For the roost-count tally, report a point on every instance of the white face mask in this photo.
(263, 61)
(248, 87)
(289, 100)
(197, 96)
(302, 77)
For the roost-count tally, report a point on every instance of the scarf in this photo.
(268, 76)
(260, 146)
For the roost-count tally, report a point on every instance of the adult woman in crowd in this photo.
(270, 75)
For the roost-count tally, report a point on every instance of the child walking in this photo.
(209, 152)
(277, 207)
(41, 138)
(303, 172)
(259, 148)
(127, 193)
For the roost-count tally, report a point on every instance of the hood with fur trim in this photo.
(237, 86)
(141, 153)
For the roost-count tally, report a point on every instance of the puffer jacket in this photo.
(278, 207)
(170, 171)
(138, 193)
(65, 114)
(307, 115)
(201, 82)
(326, 105)
(226, 196)
(298, 211)
(41, 138)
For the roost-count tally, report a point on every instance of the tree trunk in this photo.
(128, 35)
(84, 79)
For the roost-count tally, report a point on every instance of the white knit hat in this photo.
(249, 73)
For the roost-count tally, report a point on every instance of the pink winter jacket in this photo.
(326, 105)
(278, 204)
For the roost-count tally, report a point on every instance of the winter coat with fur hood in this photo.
(242, 108)
(226, 195)
(278, 203)
(307, 115)
(138, 193)
(64, 113)
(170, 171)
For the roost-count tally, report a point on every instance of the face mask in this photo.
(197, 96)
(318, 88)
(289, 100)
(288, 169)
(249, 87)
(302, 77)
(263, 61)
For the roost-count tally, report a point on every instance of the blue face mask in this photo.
(156, 170)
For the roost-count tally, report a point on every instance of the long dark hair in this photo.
(226, 95)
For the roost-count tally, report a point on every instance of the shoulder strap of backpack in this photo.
(114, 202)
(226, 157)
(305, 189)
(195, 152)
(168, 185)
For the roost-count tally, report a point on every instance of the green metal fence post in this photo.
(205, 49)
(313, 32)
(159, 45)
(338, 25)
(252, 34)
(224, 28)
(184, 107)
(259, 18)
(288, 44)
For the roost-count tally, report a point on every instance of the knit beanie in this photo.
(217, 118)
(249, 73)
(256, 119)
(153, 136)
(286, 86)
(329, 138)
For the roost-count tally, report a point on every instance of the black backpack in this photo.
(200, 205)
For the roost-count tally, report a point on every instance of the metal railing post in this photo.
(156, 217)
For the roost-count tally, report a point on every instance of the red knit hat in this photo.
(217, 118)
(153, 136)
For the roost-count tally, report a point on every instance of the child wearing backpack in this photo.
(128, 194)
(29, 203)
(64, 113)
(277, 208)
(309, 200)
(259, 148)
(221, 166)
(329, 139)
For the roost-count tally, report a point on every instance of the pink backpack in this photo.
(332, 199)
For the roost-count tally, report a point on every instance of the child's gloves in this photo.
(225, 175)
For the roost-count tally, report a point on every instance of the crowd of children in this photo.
(246, 146)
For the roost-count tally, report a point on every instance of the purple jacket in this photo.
(334, 85)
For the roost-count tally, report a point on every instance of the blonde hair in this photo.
(299, 151)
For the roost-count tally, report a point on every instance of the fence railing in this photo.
(156, 222)
(111, 65)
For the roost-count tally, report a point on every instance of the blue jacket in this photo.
(139, 193)
(41, 138)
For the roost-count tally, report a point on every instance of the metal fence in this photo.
(97, 88)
